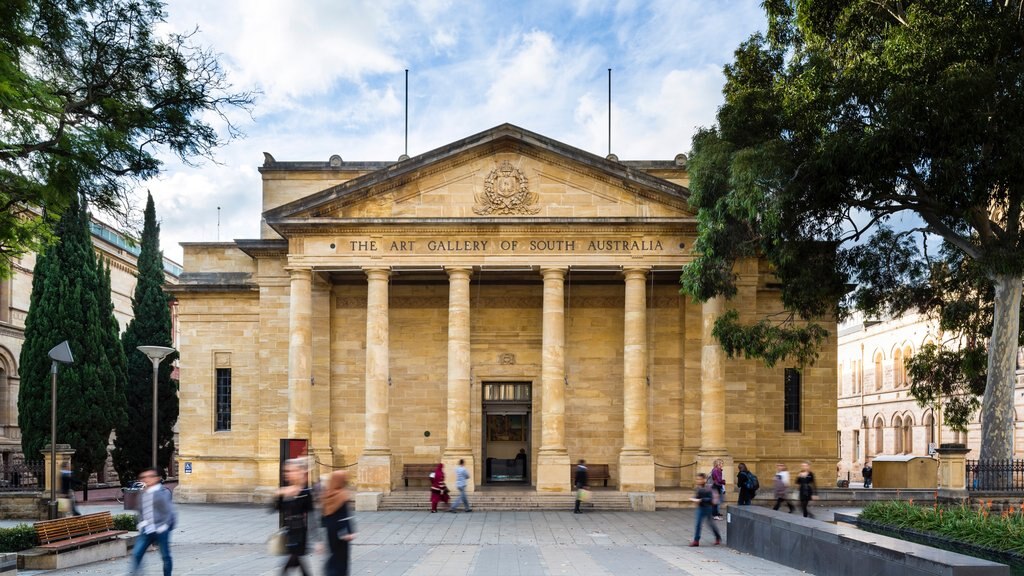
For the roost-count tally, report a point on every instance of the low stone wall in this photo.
(22, 505)
(859, 497)
(821, 548)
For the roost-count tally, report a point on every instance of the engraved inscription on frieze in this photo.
(506, 191)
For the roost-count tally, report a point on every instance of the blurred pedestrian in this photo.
(337, 519)
(781, 487)
(438, 489)
(704, 497)
(295, 502)
(461, 480)
(582, 483)
(717, 484)
(808, 487)
(155, 522)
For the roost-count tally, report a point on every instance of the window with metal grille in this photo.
(223, 399)
(791, 401)
(507, 392)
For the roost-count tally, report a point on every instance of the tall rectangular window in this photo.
(856, 445)
(223, 399)
(791, 401)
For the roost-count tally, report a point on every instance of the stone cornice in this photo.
(13, 332)
(260, 248)
(323, 226)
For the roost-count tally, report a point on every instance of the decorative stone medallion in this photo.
(506, 191)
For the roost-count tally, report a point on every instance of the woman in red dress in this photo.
(438, 489)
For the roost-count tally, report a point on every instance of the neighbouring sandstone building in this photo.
(503, 293)
(877, 413)
(117, 250)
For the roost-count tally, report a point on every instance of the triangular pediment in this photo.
(505, 172)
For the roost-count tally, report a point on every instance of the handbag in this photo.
(583, 495)
(63, 505)
(277, 542)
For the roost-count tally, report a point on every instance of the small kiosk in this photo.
(904, 471)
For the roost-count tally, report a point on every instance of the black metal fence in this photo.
(22, 476)
(995, 474)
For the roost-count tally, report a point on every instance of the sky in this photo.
(331, 77)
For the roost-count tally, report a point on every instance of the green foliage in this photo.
(71, 301)
(90, 91)
(126, 522)
(17, 538)
(150, 326)
(854, 136)
(1003, 532)
(768, 341)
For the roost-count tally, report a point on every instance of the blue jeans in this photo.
(704, 513)
(143, 542)
(463, 499)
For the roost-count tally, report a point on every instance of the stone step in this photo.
(510, 501)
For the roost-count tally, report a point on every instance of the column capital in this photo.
(554, 271)
(636, 271)
(458, 271)
(299, 270)
(377, 271)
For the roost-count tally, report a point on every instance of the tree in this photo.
(150, 326)
(846, 121)
(91, 92)
(71, 301)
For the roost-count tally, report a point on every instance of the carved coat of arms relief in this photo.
(506, 191)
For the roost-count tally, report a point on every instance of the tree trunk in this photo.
(997, 414)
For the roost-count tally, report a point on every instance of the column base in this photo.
(450, 459)
(374, 472)
(636, 471)
(553, 472)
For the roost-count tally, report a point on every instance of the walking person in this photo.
(461, 477)
(781, 487)
(156, 520)
(438, 489)
(718, 485)
(67, 487)
(808, 488)
(582, 483)
(747, 483)
(704, 497)
(866, 473)
(295, 502)
(337, 519)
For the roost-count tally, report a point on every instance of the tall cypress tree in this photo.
(71, 301)
(150, 326)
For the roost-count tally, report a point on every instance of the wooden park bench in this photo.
(417, 472)
(75, 531)
(595, 472)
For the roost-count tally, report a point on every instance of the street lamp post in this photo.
(156, 355)
(59, 354)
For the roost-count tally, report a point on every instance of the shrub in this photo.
(125, 522)
(18, 538)
(1003, 531)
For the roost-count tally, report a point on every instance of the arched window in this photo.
(897, 436)
(897, 368)
(907, 353)
(878, 371)
(879, 436)
(908, 434)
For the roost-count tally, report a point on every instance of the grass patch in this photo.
(996, 531)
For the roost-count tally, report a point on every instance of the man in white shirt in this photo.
(156, 520)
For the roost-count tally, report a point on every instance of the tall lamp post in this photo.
(156, 355)
(59, 354)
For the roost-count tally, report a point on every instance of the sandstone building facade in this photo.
(877, 413)
(503, 293)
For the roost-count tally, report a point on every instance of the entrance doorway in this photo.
(506, 431)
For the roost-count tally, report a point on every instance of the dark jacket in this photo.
(582, 479)
(705, 496)
(807, 486)
(296, 513)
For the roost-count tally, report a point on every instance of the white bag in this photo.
(431, 475)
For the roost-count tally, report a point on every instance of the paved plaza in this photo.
(227, 540)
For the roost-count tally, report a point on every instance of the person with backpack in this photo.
(748, 484)
(718, 485)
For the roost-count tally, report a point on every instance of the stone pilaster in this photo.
(300, 351)
(712, 394)
(553, 458)
(636, 465)
(375, 462)
(458, 445)
(953, 468)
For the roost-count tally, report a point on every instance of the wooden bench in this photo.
(75, 531)
(595, 472)
(417, 472)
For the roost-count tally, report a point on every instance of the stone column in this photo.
(712, 395)
(636, 465)
(953, 470)
(375, 462)
(553, 458)
(458, 446)
(300, 351)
